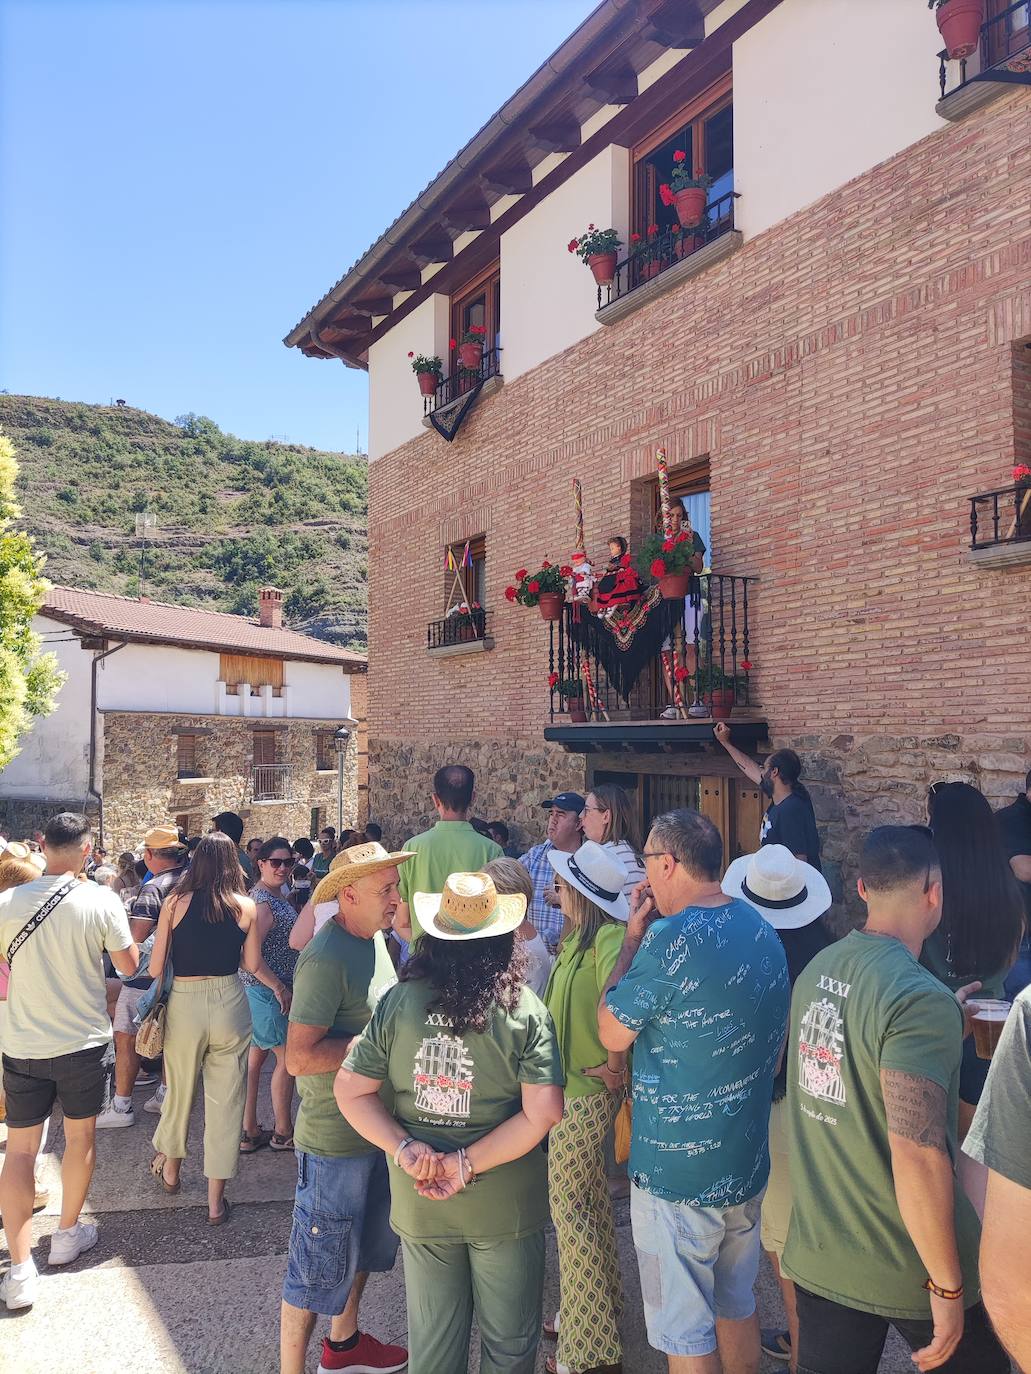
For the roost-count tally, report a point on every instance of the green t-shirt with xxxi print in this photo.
(449, 1090)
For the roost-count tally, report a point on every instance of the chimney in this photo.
(270, 608)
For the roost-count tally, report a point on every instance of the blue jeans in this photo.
(341, 1228)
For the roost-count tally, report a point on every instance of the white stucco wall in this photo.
(153, 677)
(548, 296)
(823, 91)
(395, 403)
(54, 759)
(318, 691)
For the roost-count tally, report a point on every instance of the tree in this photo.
(29, 679)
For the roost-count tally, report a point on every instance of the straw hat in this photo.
(790, 894)
(354, 863)
(469, 908)
(163, 837)
(597, 873)
(15, 849)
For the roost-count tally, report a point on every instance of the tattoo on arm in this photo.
(916, 1108)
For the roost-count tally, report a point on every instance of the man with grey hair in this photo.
(701, 985)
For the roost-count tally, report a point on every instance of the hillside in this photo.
(232, 514)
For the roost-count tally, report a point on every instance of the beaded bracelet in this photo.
(951, 1293)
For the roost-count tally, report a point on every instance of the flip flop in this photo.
(157, 1168)
(223, 1216)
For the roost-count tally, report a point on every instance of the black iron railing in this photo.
(463, 379)
(271, 782)
(703, 670)
(457, 629)
(995, 53)
(657, 255)
(1000, 517)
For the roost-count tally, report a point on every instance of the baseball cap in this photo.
(566, 801)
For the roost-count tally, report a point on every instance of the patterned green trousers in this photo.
(581, 1209)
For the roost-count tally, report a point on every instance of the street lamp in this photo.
(341, 736)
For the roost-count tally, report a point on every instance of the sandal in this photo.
(281, 1142)
(549, 1330)
(157, 1168)
(223, 1216)
(250, 1144)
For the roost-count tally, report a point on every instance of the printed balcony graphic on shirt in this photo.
(820, 1050)
(443, 1077)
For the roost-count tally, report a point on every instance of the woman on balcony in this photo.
(608, 819)
(590, 886)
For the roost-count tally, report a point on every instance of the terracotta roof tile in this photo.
(158, 622)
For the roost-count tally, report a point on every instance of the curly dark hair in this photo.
(471, 977)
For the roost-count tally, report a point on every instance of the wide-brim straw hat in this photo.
(788, 892)
(597, 873)
(354, 863)
(469, 908)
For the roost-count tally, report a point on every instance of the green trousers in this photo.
(501, 1281)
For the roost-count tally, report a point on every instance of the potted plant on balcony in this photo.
(597, 248)
(649, 255)
(668, 561)
(571, 690)
(464, 618)
(545, 588)
(959, 22)
(427, 371)
(717, 689)
(688, 193)
(470, 350)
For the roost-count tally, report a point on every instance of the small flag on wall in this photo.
(467, 558)
(449, 560)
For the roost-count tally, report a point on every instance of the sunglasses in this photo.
(280, 863)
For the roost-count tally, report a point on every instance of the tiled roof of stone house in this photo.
(158, 622)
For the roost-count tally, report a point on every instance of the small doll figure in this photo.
(582, 581)
(620, 585)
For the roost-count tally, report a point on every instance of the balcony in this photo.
(452, 390)
(456, 635)
(270, 782)
(1000, 527)
(668, 259)
(1002, 59)
(657, 678)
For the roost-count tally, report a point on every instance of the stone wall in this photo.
(21, 817)
(140, 787)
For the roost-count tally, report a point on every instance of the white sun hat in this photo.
(597, 873)
(787, 892)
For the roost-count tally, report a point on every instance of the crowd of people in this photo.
(469, 1032)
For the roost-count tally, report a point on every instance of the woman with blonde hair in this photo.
(609, 819)
(590, 888)
(511, 879)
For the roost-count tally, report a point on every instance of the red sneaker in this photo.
(369, 1356)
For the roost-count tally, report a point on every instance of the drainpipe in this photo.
(93, 734)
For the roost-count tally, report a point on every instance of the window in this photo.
(255, 671)
(466, 583)
(704, 131)
(264, 748)
(479, 304)
(1011, 32)
(325, 751)
(186, 756)
(689, 484)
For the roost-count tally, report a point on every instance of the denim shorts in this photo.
(268, 1024)
(341, 1228)
(697, 1264)
(80, 1081)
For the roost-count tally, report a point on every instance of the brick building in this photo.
(169, 712)
(835, 363)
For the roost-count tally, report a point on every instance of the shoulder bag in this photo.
(38, 917)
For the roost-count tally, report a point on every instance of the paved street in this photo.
(164, 1292)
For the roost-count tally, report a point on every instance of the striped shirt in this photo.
(546, 918)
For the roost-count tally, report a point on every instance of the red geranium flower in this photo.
(681, 536)
(411, 354)
(681, 674)
(653, 229)
(668, 545)
(552, 679)
(451, 343)
(565, 570)
(1021, 472)
(658, 568)
(666, 194)
(520, 574)
(635, 238)
(573, 245)
(680, 155)
(746, 665)
(545, 564)
(533, 586)
(510, 593)
(674, 228)
(590, 226)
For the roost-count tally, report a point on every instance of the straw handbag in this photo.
(623, 1128)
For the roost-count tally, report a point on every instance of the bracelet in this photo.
(951, 1293)
(461, 1166)
(464, 1163)
(408, 1140)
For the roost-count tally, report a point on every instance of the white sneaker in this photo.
(155, 1103)
(115, 1117)
(66, 1246)
(18, 1292)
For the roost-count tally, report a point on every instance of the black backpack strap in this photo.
(38, 917)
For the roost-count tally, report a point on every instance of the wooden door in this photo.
(714, 802)
(746, 816)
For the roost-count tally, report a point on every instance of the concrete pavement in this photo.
(163, 1293)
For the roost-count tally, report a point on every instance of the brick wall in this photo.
(852, 376)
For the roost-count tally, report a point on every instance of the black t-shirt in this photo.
(1014, 823)
(800, 946)
(792, 823)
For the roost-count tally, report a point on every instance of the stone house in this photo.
(836, 361)
(170, 712)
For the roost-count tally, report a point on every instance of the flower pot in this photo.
(428, 382)
(674, 586)
(603, 265)
(550, 605)
(470, 355)
(650, 269)
(466, 633)
(720, 703)
(690, 205)
(577, 714)
(959, 22)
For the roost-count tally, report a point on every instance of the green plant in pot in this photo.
(959, 23)
(687, 192)
(545, 589)
(597, 248)
(668, 562)
(571, 690)
(427, 371)
(717, 689)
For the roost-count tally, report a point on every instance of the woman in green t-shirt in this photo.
(590, 887)
(468, 1057)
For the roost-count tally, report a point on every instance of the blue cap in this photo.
(566, 801)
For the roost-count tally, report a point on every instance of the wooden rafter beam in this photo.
(563, 136)
(676, 24)
(460, 218)
(373, 305)
(507, 181)
(613, 87)
(434, 246)
(402, 278)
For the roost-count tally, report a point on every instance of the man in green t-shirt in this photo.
(880, 1231)
(341, 1226)
(452, 846)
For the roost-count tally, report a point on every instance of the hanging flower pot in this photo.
(673, 586)
(603, 267)
(690, 205)
(597, 248)
(428, 382)
(959, 22)
(427, 372)
(550, 604)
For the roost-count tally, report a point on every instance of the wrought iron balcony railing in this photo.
(270, 782)
(1000, 517)
(462, 380)
(700, 667)
(1003, 54)
(664, 251)
(458, 629)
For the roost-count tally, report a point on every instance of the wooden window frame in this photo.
(186, 765)
(325, 749)
(478, 549)
(708, 103)
(488, 284)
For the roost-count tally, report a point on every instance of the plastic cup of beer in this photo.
(989, 1019)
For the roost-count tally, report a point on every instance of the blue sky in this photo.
(180, 181)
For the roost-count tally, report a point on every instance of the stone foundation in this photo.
(22, 817)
